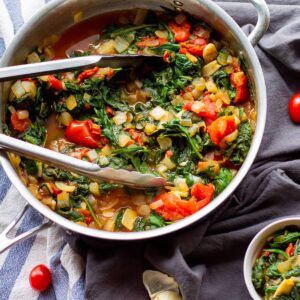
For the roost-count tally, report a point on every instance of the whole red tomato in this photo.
(40, 278)
(294, 108)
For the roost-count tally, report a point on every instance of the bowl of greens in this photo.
(272, 261)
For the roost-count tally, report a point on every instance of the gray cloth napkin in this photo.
(207, 259)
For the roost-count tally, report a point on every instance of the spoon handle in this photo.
(48, 67)
(91, 170)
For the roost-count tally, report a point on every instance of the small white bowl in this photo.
(257, 244)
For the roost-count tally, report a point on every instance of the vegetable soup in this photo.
(189, 119)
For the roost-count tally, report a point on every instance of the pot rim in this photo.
(196, 217)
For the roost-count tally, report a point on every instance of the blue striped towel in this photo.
(47, 247)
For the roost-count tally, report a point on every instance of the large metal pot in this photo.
(56, 16)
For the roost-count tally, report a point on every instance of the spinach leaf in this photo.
(71, 215)
(258, 278)
(238, 150)
(284, 239)
(166, 47)
(183, 66)
(118, 221)
(31, 166)
(221, 79)
(35, 134)
(175, 127)
(140, 224)
(222, 180)
(106, 187)
(156, 221)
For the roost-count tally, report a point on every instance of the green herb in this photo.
(118, 221)
(71, 215)
(222, 180)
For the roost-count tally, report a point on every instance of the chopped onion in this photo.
(163, 34)
(120, 118)
(143, 210)
(71, 102)
(108, 213)
(109, 225)
(94, 188)
(149, 128)
(106, 150)
(92, 155)
(22, 114)
(186, 122)
(210, 52)
(91, 199)
(64, 187)
(63, 200)
(211, 87)
(33, 58)
(108, 47)
(157, 113)
(129, 218)
(103, 161)
(210, 68)
(193, 130)
(168, 163)
(121, 44)
(161, 169)
(65, 118)
(29, 87)
(197, 106)
(18, 89)
(164, 142)
(124, 139)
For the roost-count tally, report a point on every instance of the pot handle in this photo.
(263, 21)
(6, 242)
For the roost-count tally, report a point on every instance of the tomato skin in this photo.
(81, 133)
(294, 108)
(87, 74)
(181, 32)
(220, 128)
(19, 125)
(55, 83)
(40, 278)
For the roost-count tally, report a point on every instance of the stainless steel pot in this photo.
(56, 16)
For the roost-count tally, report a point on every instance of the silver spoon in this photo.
(130, 178)
(124, 177)
(71, 64)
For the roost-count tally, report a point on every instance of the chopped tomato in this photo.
(81, 133)
(162, 41)
(171, 207)
(17, 124)
(194, 47)
(220, 128)
(240, 82)
(181, 32)
(55, 83)
(87, 74)
(290, 249)
(203, 193)
(109, 111)
(148, 41)
(55, 190)
(80, 154)
(169, 153)
(137, 136)
(166, 56)
(208, 112)
(87, 215)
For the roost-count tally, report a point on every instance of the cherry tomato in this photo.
(17, 124)
(294, 108)
(82, 133)
(40, 278)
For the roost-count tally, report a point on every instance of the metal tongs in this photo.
(121, 176)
